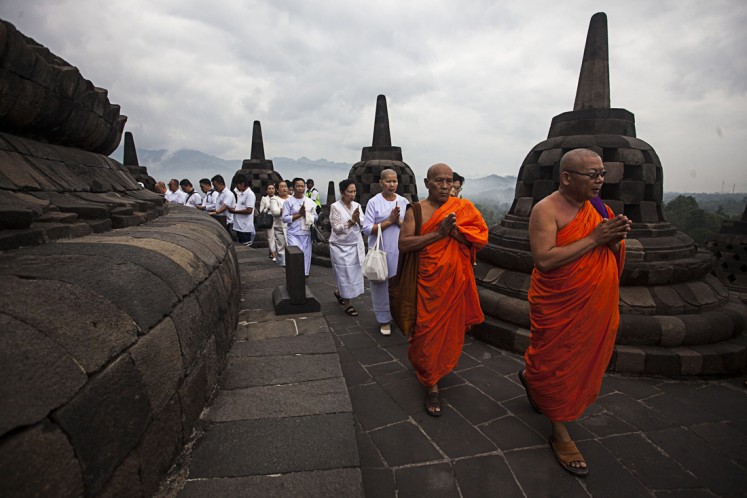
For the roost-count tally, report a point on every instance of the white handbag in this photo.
(374, 265)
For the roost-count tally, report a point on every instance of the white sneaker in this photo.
(386, 329)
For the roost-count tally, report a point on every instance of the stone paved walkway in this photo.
(283, 412)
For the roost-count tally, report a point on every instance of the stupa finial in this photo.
(593, 90)
(381, 136)
(258, 147)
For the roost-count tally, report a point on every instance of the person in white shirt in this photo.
(346, 246)
(299, 213)
(264, 207)
(192, 198)
(243, 213)
(174, 194)
(278, 227)
(208, 201)
(224, 201)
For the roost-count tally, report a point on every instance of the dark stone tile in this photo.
(404, 444)
(383, 369)
(504, 363)
(635, 387)
(300, 344)
(520, 408)
(684, 493)
(711, 467)
(250, 447)
(634, 412)
(709, 396)
(677, 410)
(407, 392)
(367, 451)
(649, 464)
(472, 404)
(539, 474)
(374, 407)
(378, 483)
(466, 361)
(454, 435)
(451, 379)
(371, 356)
(724, 438)
(486, 476)
(399, 351)
(336, 482)
(607, 477)
(358, 341)
(283, 400)
(270, 370)
(488, 381)
(605, 424)
(434, 481)
(511, 433)
(354, 374)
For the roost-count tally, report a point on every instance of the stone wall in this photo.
(110, 345)
(116, 311)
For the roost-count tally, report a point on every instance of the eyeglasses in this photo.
(458, 189)
(593, 176)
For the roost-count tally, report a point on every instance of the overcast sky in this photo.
(470, 83)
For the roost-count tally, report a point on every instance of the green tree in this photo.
(685, 213)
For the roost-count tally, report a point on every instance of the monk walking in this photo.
(452, 232)
(578, 249)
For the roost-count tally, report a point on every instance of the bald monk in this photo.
(452, 232)
(578, 248)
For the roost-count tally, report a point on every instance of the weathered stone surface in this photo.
(159, 363)
(337, 482)
(38, 375)
(161, 443)
(193, 394)
(92, 334)
(311, 443)
(106, 420)
(39, 461)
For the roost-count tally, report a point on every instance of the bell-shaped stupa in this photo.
(258, 170)
(677, 319)
(380, 156)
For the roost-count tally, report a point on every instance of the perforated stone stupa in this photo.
(380, 156)
(677, 318)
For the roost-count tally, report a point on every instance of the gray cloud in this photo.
(474, 84)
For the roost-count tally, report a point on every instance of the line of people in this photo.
(578, 248)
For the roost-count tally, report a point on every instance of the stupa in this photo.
(677, 319)
(259, 171)
(130, 161)
(730, 248)
(380, 156)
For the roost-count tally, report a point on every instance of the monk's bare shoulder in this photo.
(547, 207)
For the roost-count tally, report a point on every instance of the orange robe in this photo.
(574, 314)
(448, 304)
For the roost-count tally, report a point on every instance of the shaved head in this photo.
(388, 172)
(437, 169)
(575, 158)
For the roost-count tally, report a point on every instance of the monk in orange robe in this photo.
(452, 232)
(578, 249)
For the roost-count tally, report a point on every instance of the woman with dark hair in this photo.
(278, 227)
(346, 246)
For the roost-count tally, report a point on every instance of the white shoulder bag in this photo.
(374, 265)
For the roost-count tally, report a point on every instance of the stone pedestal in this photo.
(295, 296)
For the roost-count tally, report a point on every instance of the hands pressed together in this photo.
(612, 231)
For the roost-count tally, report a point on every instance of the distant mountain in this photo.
(492, 189)
(194, 165)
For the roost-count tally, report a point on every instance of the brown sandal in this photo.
(566, 453)
(433, 404)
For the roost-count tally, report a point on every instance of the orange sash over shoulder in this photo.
(574, 314)
(448, 304)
